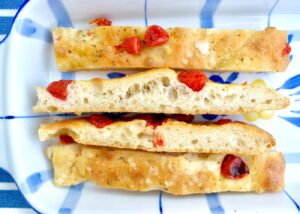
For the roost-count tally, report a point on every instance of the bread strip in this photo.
(178, 174)
(159, 91)
(207, 49)
(174, 136)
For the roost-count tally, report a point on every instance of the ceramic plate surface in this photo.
(27, 61)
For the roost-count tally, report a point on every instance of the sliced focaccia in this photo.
(159, 133)
(157, 91)
(178, 174)
(184, 48)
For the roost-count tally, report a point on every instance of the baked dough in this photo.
(187, 48)
(178, 174)
(159, 91)
(174, 136)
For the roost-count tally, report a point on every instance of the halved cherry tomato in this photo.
(223, 121)
(99, 120)
(101, 21)
(182, 117)
(234, 167)
(287, 49)
(132, 45)
(195, 80)
(153, 120)
(155, 36)
(59, 88)
(66, 139)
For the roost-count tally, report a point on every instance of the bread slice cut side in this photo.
(178, 174)
(171, 136)
(187, 48)
(159, 91)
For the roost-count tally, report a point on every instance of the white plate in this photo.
(27, 61)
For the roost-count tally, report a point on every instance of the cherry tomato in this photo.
(132, 45)
(99, 120)
(155, 36)
(66, 139)
(101, 21)
(195, 80)
(234, 167)
(287, 49)
(223, 121)
(59, 88)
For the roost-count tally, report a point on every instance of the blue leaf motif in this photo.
(233, 76)
(296, 112)
(209, 116)
(293, 120)
(34, 182)
(291, 83)
(115, 75)
(290, 38)
(296, 93)
(71, 199)
(216, 78)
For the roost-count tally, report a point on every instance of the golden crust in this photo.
(178, 174)
(236, 137)
(207, 49)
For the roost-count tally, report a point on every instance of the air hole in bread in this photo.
(140, 135)
(134, 89)
(268, 101)
(162, 107)
(172, 94)
(232, 96)
(149, 86)
(206, 100)
(253, 100)
(165, 81)
(240, 142)
(242, 96)
(85, 100)
(52, 109)
(128, 131)
(195, 141)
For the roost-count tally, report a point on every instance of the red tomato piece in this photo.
(155, 36)
(132, 45)
(66, 139)
(101, 21)
(59, 88)
(194, 79)
(287, 49)
(182, 117)
(159, 142)
(153, 120)
(234, 167)
(99, 120)
(223, 121)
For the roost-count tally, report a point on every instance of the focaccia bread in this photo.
(187, 48)
(160, 91)
(178, 174)
(169, 136)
